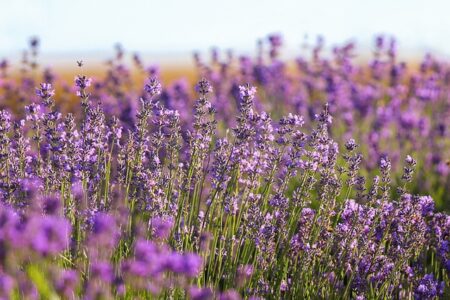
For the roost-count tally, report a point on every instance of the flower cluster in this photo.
(134, 197)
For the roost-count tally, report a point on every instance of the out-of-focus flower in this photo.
(153, 87)
(48, 235)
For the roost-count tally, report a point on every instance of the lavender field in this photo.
(322, 177)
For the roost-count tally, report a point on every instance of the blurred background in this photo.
(167, 32)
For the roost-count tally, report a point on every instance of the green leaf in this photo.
(44, 288)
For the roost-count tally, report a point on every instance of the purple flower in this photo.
(7, 284)
(197, 293)
(48, 235)
(148, 260)
(102, 270)
(187, 264)
(447, 265)
(247, 92)
(52, 205)
(45, 91)
(104, 233)
(429, 288)
(82, 81)
(385, 164)
(67, 282)
(427, 205)
(203, 87)
(409, 160)
(162, 227)
(351, 145)
(11, 227)
(153, 88)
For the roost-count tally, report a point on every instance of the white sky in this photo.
(170, 26)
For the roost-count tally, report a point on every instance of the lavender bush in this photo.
(169, 197)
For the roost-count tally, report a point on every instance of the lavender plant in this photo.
(139, 200)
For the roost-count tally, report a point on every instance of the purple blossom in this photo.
(162, 227)
(45, 91)
(427, 205)
(83, 82)
(429, 288)
(201, 293)
(67, 282)
(48, 235)
(203, 87)
(104, 233)
(153, 87)
(6, 286)
(187, 264)
(102, 270)
(351, 145)
(247, 92)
